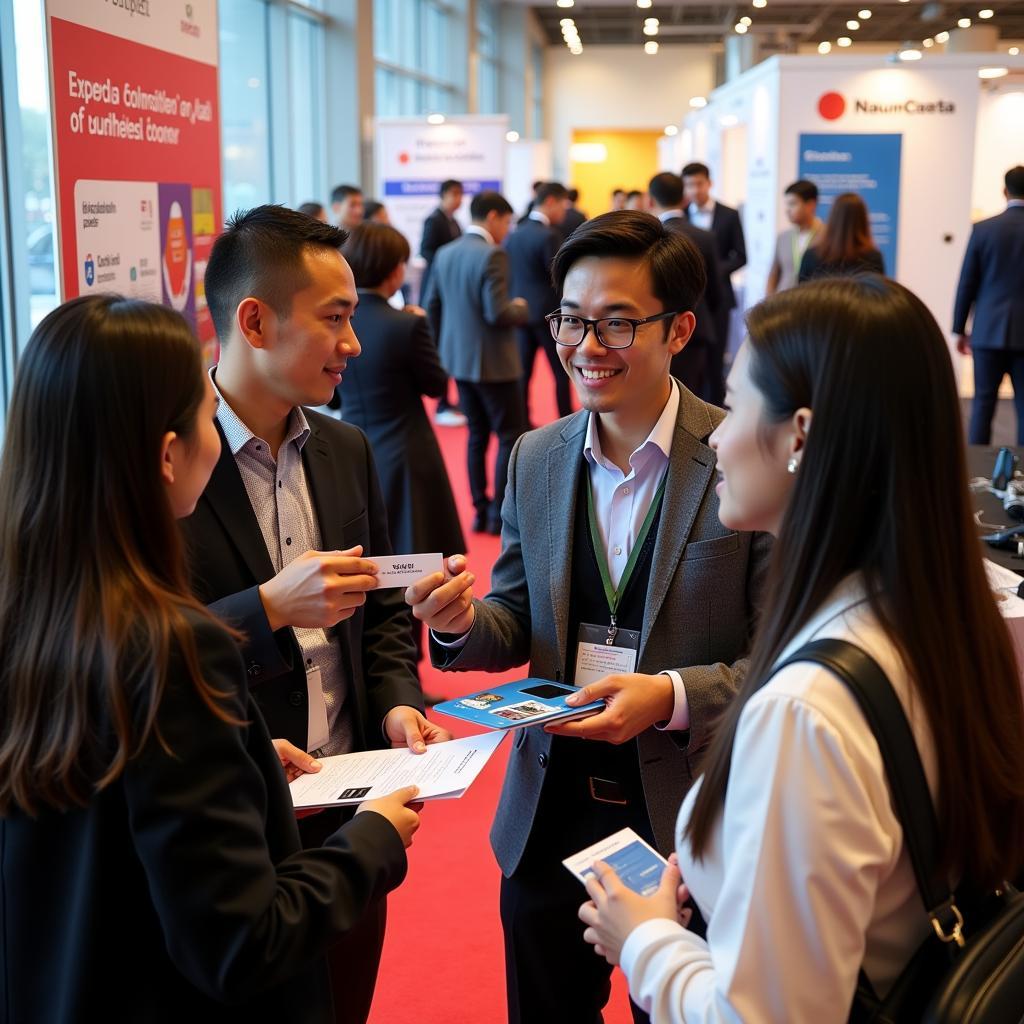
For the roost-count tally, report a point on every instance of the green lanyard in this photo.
(612, 595)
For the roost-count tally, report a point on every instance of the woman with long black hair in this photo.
(150, 866)
(841, 404)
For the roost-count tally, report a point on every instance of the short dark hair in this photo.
(806, 190)
(370, 207)
(633, 193)
(549, 189)
(342, 192)
(448, 184)
(618, 191)
(312, 209)
(694, 168)
(537, 184)
(574, 194)
(373, 251)
(675, 264)
(1014, 182)
(666, 189)
(260, 254)
(484, 203)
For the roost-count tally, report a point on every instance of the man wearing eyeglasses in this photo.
(615, 575)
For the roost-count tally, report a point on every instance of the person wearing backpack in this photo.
(789, 843)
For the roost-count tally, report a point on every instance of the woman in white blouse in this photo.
(844, 440)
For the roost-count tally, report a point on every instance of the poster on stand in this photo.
(414, 157)
(867, 164)
(136, 142)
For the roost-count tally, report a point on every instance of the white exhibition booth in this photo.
(925, 143)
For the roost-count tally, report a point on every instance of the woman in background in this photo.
(383, 396)
(846, 246)
(150, 865)
(789, 843)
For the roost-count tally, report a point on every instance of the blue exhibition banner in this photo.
(866, 164)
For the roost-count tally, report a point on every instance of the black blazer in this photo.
(181, 892)
(574, 217)
(531, 248)
(383, 397)
(438, 229)
(229, 561)
(992, 282)
(714, 294)
(811, 265)
(727, 228)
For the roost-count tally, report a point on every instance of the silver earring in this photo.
(792, 464)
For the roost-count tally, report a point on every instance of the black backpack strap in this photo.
(907, 782)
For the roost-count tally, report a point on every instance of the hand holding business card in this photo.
(405, 570)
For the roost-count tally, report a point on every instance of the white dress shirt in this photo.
(540, 217)
(670, 215)
(475, 229)
(806, 877)
(703, 216)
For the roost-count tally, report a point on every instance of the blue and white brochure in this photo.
(638, 865)
(519, 704)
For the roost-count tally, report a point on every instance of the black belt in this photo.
(607, 791)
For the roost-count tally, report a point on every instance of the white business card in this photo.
(405, 570)
(638, 865)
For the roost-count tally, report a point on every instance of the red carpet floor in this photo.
(443, 959)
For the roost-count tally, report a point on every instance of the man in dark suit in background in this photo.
(666, 195)
(531, 248)
(439, 229)
(278, 539)
(724, 223)
(474, 320)
(574, 216)
(992, 283)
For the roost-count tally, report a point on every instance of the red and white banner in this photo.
(136, 130)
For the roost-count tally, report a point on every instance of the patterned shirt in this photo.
(280, 498)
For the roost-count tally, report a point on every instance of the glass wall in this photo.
(488, 58)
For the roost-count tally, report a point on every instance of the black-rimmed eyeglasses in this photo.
(611, 331)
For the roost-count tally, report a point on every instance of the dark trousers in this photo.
(490, 408)
(990, 366)
(352, 961)
(552, 976)
(714, 369)
(538, 336)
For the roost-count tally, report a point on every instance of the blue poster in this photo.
(866, 164)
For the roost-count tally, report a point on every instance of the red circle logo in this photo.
(403, 158)
(831, 106)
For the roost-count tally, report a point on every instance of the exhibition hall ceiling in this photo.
(779, 25)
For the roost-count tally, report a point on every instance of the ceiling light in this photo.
(853, 24)
(650, 47)
(1013, 51)
(644, 3)
(567, 23)
(698, 102)
(650, 30)
(435, 118)
(910, 53)
(964, 22)
(746, 21)
(565, 3)
(740, 28)
(588, 152)
(992, 72)
(671, 129)
(512, 136)
(927, 43)
(759, 3)
(825, 47)
(942, 37)
(844, 41)
(987, 13)
(864, 15)
(652, 21)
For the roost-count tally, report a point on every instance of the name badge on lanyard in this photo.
(608, 650)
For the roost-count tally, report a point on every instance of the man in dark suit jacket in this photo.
(277, 540)
(531, 248)
(724, 223)
(574, 216)
(683, 614)
(992, 283)
(473, 318)
(666, 195)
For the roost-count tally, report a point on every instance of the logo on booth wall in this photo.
(832, 106)
(403, 158)
(90, 270)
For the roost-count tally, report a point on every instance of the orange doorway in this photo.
(605, 159)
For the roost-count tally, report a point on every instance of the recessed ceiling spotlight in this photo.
(1013, 51)
(565, 22)
(987, 13)
(644, 4)
(927, 43)
(746, 21)
(698, 102)
(671, 129)
(942, 37)
(759, 3)
(853, 24)
(512, 136)
(993, 72)
(864, 15)
(964, 22)
(825, 47)
(650, 47)
(844, 41)
(909, 53)
(435, 118)
(650, 30)
(740, 28)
